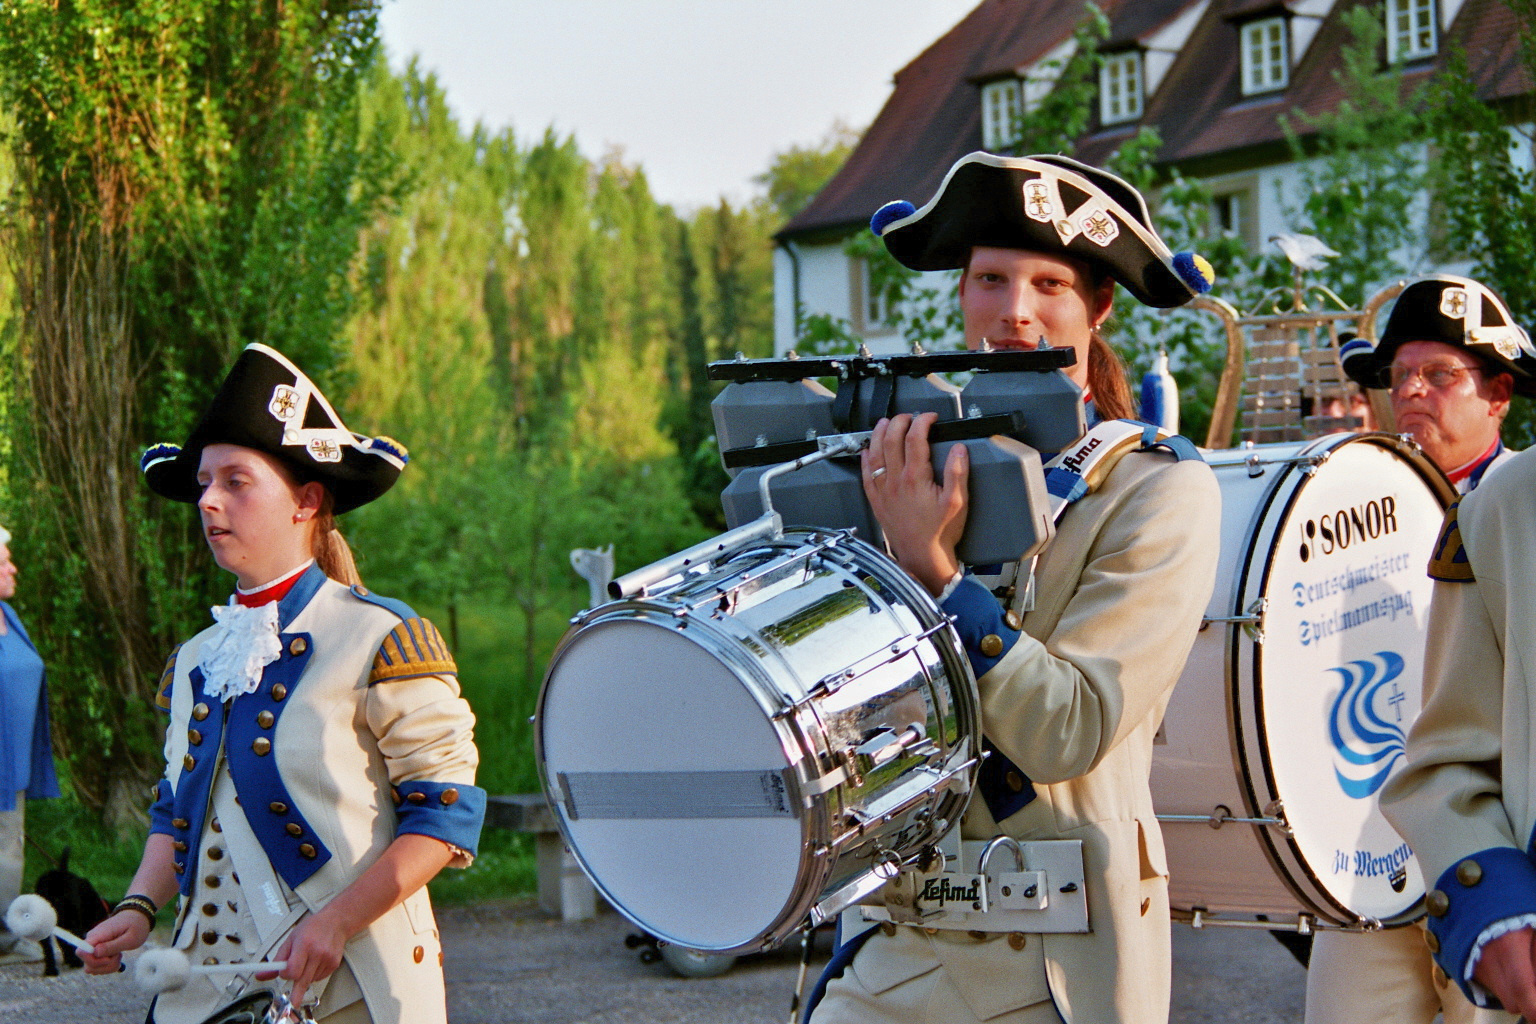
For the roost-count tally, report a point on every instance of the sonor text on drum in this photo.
(1337, 531)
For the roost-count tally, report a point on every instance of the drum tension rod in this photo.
(1221, 815)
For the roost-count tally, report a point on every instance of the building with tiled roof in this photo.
(1214, 77)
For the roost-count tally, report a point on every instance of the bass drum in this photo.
(1295, 703)
(772, 733)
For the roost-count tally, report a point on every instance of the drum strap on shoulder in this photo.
(1083, 465)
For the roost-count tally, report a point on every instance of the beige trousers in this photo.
(1384, 977)
(13, 857)
(913, 977)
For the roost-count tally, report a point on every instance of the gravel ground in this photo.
(507, 964)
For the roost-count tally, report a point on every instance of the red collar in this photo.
(1460, 473)
(274, 591)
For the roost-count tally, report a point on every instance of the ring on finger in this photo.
(877, 472)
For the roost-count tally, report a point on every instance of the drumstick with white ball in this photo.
(163, 970)
(32, 917)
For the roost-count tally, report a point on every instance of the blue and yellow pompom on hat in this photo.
(1050, 204)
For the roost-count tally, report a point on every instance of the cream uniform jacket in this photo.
(1467, 799)
(355, 734)
(1074, 702)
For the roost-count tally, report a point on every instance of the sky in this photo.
(700, 93)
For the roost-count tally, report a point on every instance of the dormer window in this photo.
(1120, 87)
(1411, 30)
(1265, 45)
(1001, 108)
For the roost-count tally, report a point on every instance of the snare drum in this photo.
(772, 733)
(1295, 703)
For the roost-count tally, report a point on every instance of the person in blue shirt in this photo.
(26, 752)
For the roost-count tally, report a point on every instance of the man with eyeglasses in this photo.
(1451, 357)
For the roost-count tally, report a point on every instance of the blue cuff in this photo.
(1505, 887)
(450, 811)
(161, 811)
(977, 616)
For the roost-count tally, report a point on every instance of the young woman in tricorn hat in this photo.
(1072, 686)
(320, 762)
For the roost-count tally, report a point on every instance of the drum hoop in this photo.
(1327, 446)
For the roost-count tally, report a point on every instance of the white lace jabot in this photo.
(243, 643)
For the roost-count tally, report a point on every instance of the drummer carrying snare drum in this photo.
(1073, 688)
(1451, 356)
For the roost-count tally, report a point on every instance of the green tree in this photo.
(796, 174)
(190, 177)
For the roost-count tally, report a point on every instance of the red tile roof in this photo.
(933, 116)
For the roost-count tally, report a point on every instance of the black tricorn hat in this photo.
(1453, 310)
(1050, 204)
(268, 404)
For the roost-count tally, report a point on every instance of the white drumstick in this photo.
(162, 970)
(33, 917)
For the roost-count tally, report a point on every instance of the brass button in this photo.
(180, 822)
(215, 853)
(360, 590)
(210, 961)
(1437, 903)
(416, 798)
(180, 846)
(216, 826)
(180, 867)
(991, 645)
(978, 936)
(212, 881)
(1469, 872)
(194, 737)
(265, 719)
(1432, 942)
(232, 938)
(930, 931)
(298, 646)
(262, 746)
(1016, 940)
(395, 794)
(307, 851)
(1440, 979)
(278, 807)
(439, 958)
(279, 691)
(1014, 619)
(189, 762)
(418, 954)
(210, 936)
(450, 796)
(295, 829)
(210, 909)
(200, 711)
(154, 791)
(888, 928)
(1015, 781)
(1145, 904)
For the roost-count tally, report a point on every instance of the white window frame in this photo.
(1413, 30)
(1265, 45)
(872, 315)
(1002, 104)
(1120, 87)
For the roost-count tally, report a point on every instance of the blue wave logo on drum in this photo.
(1367, 743)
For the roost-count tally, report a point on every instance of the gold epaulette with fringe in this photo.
(1449, 562)
(413, 648)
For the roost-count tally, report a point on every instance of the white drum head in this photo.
(1338, 674)
(653, 742)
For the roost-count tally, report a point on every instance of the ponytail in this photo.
(332, 553)
(1107, 381)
